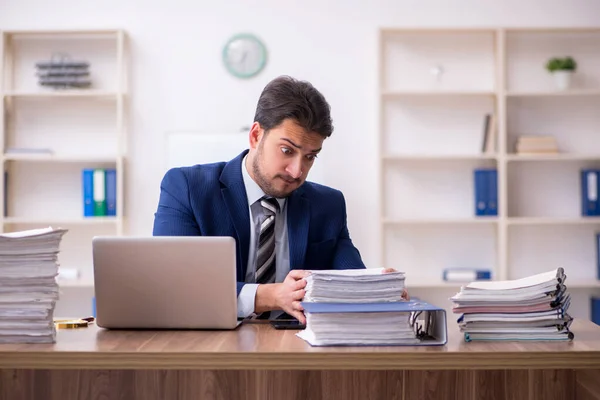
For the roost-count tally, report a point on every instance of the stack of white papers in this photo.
(354, 286)
(28, 288)
(356, 307)
(531, 308)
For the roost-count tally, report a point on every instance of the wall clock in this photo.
(244, 55)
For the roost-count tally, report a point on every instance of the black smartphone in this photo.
(287, 324)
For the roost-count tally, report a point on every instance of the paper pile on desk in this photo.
(354, 286)
(348, 307)
(531, 308)
(28, 288)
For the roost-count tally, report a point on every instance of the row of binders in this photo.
(99, 192)
(486, 192)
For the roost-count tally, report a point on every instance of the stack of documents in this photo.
(531, 308)
(362, 307)
(28, 288)
(354, 286)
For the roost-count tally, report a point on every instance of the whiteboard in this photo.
(185, 148)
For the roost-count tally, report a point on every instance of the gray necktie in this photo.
(265, 256)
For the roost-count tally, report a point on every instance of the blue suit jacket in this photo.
(210, 200)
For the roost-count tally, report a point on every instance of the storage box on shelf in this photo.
(436, 87)
(64, 111)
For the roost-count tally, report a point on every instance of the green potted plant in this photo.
(562, 69)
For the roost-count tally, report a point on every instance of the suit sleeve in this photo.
(346, 254)
(174, 216)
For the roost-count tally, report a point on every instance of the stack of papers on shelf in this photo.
(28, 288)
(531, 308)
(365, 307)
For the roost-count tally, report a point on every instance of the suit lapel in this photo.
(298, 222)
(236, 201)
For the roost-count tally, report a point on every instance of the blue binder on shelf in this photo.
(486, 191)
(87, 177)
(595, 310)
(428, 321)
(589, 193)
(111, 191)
(598, 256)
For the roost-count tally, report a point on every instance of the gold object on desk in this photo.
(73, 323)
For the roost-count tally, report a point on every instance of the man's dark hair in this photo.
(285, 97)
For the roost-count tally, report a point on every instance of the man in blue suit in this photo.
(283, 225)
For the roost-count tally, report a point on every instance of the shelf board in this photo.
(433, 284)
(63, 93)
(579, 284)
(553, 221)
(61, 221)
(44, 157)
(440, 157)
(441, 221)
(391, 94)
(580, 92)
(78, 283)
(553, 157)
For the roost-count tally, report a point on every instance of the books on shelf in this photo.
(534, 144)
(530, 308)
(99, 192)
(28, 287)
(489, 134)
(365, 307)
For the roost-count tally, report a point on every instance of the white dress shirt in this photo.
(246, 298)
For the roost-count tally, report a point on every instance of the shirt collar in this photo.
(253, 191)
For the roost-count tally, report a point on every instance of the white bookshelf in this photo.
(82, 128)
(430, 137)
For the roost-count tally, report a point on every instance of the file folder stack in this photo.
(28, 288)
(531, 308)
(365, 307)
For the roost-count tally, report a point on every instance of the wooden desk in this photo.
(258, 362)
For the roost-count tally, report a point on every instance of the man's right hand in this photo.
(284, 296)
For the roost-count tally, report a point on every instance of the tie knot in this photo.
(270, 204)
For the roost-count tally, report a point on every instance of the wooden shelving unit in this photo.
(435, 87)
(82, 128)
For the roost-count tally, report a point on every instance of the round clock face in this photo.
(244, 55)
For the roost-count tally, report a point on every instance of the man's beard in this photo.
(262, 181)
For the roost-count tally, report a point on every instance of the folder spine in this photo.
(595, 310)
(111, 192)
(481, 192)
(88, 192)
(99, 192)
(589, 192)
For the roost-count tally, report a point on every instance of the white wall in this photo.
(178, 81)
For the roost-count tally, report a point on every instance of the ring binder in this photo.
(347, 326)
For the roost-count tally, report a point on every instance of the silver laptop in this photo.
(165, 282)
